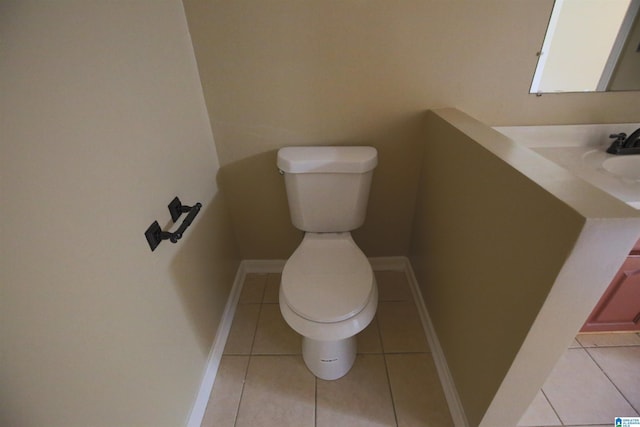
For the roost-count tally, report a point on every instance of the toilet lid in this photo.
(327, 279)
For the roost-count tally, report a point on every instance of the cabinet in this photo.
(619, 307)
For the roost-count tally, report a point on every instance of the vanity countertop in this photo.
(581, 150)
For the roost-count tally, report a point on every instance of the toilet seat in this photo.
(327, 279)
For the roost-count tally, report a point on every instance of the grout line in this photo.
(244, 381)
(406, 353)
(610, 346)
(275, 354)
(255, 331)
(386, 371)
(393, 400)
(611, 381)
(264, 294)
(246, 370)
(264, 288)
(552, 407)
(250, 355)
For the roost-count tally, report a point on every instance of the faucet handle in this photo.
(619, 136)
(618, 144)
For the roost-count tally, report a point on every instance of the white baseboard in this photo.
(448, 386)
(215, 354)
(275, 266)
(393, 263)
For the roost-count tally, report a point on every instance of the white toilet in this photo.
(328, 291)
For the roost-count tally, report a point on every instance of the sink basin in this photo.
(624, 167)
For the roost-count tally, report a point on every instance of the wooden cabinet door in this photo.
(619, 307)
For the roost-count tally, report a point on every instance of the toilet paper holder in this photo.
(155, 234)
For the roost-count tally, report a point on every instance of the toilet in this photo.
(328, 292)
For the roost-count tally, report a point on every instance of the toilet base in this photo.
(329, 360)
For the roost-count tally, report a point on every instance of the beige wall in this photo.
(260, 214)
(103, 123)
(291, 72)
(511, 253)
(481, 260)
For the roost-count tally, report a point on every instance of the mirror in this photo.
(590, 46)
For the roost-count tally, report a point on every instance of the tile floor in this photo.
(262, 380)
(597, 379)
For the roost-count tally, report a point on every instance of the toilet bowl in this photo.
(328, 294)
(328, 291)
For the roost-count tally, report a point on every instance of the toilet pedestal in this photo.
(329, 360)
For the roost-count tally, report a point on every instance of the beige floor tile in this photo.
(393, 286)
(253, 288)
(225, 396)
(279, 391)
(359, 399)
(622, 366)
(400, 328)
(369, 338)
(608, 340)
(274, 335)
(243, 329)
(271, 292)
(417, 393)
(581, 394)
(540, 413)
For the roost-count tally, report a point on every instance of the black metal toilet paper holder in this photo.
(155, 234)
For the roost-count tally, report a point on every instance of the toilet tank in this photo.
(327, 187)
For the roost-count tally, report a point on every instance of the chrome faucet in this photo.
(625, 145)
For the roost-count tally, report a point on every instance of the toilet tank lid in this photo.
(325, 159)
